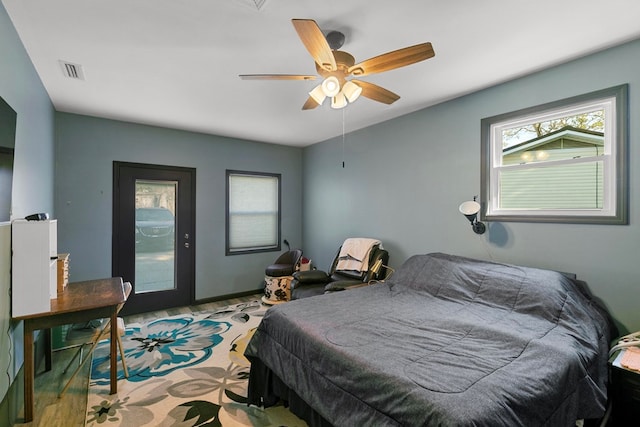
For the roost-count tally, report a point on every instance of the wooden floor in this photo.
(70, 409)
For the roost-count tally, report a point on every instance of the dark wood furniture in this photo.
(80, 302)
(625, 395)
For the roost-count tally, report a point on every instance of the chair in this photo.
(278, 276)
(94, 336)
(317, 282)
(285, 265)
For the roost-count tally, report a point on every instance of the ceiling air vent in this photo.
(71, 70)
(254, 3)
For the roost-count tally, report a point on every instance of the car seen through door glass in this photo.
(155, 229)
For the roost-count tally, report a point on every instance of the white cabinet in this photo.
(34, 273)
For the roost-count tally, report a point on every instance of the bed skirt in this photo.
(267, 389)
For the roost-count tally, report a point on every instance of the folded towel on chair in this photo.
(354, 253)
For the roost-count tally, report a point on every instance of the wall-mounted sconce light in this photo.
(470, 209)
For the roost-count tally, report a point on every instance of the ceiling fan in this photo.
(335, 67)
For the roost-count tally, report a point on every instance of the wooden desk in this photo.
(80, 302)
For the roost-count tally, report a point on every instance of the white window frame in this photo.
(275, 246)
(615, 176)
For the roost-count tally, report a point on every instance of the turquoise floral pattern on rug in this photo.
(183, 371)
(162, 346)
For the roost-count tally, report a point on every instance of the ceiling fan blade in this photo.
(275, 77)
(377, 93)
(310, 104)
(395, 59)
(315, 42)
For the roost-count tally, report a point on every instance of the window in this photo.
(560, 162)
(253, 212)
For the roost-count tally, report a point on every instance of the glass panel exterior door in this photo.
(155, 235)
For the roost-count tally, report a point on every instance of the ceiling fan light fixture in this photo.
(317, 93)
(351, 90)
(331, 86)
(339, 101)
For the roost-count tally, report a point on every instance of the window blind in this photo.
(253, 212)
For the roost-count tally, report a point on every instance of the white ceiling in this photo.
(175, 63)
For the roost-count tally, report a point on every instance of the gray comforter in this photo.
(447, 341)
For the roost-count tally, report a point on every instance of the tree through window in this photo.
(561, 162)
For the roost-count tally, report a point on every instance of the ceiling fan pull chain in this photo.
(343, 114)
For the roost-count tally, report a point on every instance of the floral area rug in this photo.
(183, 371)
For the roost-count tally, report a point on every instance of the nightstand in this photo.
(624, 390)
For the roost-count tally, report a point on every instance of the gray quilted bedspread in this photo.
(447, 341)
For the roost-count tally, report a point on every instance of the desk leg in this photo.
(29, 373)
(113, 368)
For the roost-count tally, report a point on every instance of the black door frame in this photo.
(123, 235)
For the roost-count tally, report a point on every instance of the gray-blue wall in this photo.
(22, 89)
(86, 149)
(404, 180)
(402, 183)
(33, 174)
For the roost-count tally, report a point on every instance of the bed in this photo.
(446, 341)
